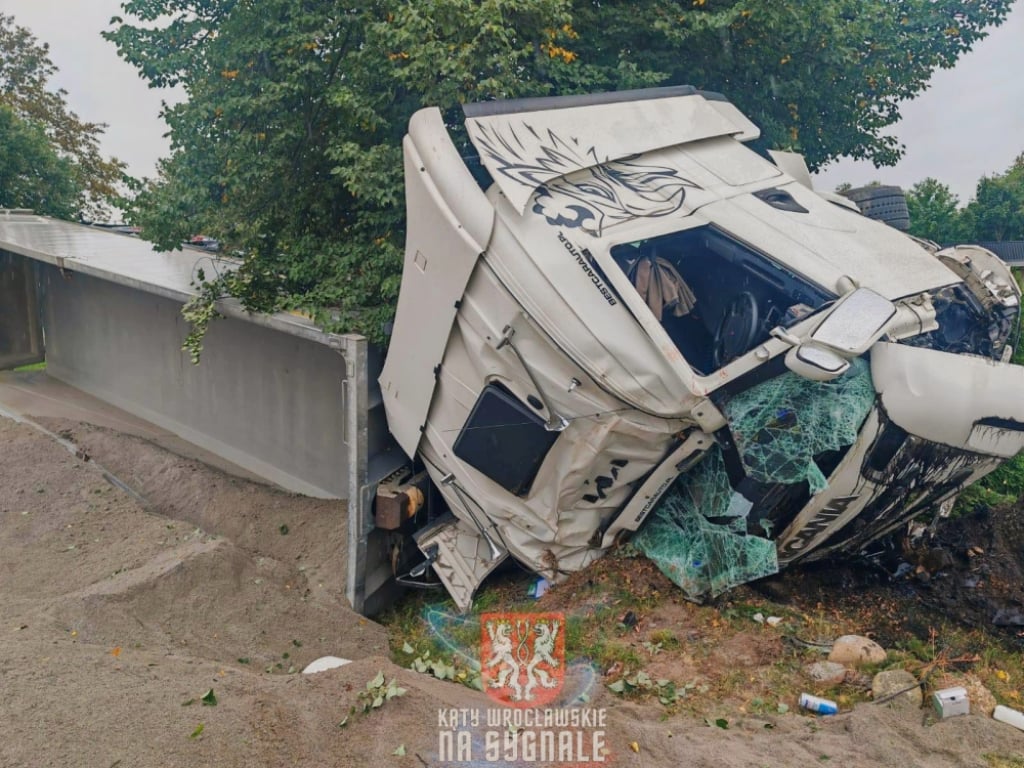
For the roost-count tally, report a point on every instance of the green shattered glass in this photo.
(781, 424)
(697, 534)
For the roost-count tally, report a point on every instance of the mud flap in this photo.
(460, 556)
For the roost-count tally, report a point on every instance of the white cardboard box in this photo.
(950, 702)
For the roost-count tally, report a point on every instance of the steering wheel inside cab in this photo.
(738, 329)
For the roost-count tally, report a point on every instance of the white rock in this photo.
(855, 651)
(826, 672)
(892, 680)
(324, 663)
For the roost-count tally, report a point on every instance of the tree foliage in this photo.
(995, 213)
(36, 109)
(288, 147)
(997, 210)
(935, 213)
(32, 174)
(823, 77)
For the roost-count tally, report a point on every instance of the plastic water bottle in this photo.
(817, 704)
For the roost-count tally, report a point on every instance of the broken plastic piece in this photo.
(324, 663)
(539, 588)
(1009, 716)
(950, 702)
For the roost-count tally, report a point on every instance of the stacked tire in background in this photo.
(884, 203)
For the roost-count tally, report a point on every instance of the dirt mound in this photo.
(979, 568)
(309, 534)
(118, 614)
(114, 613)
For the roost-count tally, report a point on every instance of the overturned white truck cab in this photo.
(622, 322)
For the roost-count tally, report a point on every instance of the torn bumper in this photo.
(942, 422)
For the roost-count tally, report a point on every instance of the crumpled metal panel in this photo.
(449, 225)
(944, 398)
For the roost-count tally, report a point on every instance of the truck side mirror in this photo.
(857, 321)
(816, 363)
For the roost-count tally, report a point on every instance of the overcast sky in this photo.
(101, 87)
(969, 123)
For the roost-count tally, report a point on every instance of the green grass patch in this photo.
(622, 619)
(1003, 761)
(32, 367)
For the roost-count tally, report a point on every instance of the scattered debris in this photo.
(980, 697)
(1009, 716)
(1009, 617)
(538, 588)
(950, 702)
(209, 699)
(324, 663)
(818, 704)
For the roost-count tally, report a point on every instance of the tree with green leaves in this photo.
(997, 210)
(32, 174)
(822, 77)
(25, 91)
(288, 147)
(935, 213)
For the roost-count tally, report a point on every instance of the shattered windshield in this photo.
(715, 296)
(709, 532)
(698, 536)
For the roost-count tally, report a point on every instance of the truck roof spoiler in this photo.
(527, 143)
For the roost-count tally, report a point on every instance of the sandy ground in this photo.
(118, 609)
